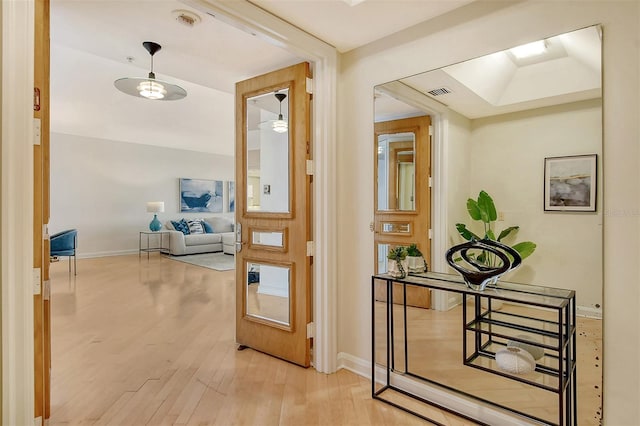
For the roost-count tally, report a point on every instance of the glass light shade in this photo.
(280, 125)
(135, 87)
(151, 90)
(155, 206)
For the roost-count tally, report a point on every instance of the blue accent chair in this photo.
(64, 244)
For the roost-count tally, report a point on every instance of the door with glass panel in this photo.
(273, 271)
(402, 196)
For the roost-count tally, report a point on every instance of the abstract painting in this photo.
(570, 183)
(200, 195)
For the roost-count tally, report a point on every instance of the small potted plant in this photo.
(397, 262)
(415, 260)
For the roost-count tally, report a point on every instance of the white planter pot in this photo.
(415, 264)
(397, 271)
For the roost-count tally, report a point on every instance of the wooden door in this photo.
(41, 302)
(273, 214)
(402, 161)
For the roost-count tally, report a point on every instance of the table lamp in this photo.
(155, 207)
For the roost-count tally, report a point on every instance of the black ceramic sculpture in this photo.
(474, 254)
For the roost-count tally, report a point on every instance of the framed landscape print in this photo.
(200, 195)
(570, 183)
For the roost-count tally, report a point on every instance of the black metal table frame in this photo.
(566, 348)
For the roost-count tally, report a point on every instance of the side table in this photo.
(155, 240)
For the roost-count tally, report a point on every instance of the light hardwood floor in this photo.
(151, 342)
(139, 342)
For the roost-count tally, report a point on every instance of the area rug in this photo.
(217, 261)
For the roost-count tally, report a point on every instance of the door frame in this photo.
(439, 114)
(18, 24)
(17, 247)
(323, 59)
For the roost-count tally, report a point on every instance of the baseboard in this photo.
(469, 407)
(589, 312)
(107, 253)
(354, 364)
(434, 393)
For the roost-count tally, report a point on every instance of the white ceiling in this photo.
(347, 24)
(569, 71)
(95, 42)
(91, 40)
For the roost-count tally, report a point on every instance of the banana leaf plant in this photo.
(484, 210)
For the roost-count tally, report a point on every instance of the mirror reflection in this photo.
(267, 238)
(268, 152)
(396, 171)
(267, 292)
(396, 228)
(383, 251)
(497, 118)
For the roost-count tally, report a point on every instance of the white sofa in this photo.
(222, 239)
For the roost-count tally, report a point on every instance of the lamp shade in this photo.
(155, 207)
(150, 88)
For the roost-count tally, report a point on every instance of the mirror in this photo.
(267, 238)
(496, 119)
(396, 228)
(396, 171)
(383, 251)
(268, 153)
(267, 293)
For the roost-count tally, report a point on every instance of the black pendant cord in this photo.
(151, 73)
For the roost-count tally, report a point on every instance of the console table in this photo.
(153, 244)
(466, 382)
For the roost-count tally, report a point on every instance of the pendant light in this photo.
(150, 88)
(280, 125)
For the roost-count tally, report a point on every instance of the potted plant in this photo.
(415, 260)
(397, 262)
(484, 210)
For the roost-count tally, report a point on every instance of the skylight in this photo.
(530, 49)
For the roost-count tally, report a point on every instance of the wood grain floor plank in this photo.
(139, 342)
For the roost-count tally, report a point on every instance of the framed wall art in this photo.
(200, 195)
(232, 196)
(570, 183)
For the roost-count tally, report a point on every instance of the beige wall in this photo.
(508, 154)
(472, 31)
(114, 180)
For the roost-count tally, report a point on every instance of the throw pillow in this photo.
(181, 226)
(195, 227)
(207, 228)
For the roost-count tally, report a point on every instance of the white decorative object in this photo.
(536, 351)
(397, 269)
(515, 360)
(415, 264)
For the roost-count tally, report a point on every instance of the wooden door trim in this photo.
(419, 220)
(293, 345)
(286, 83)
(282, 229)
(41, 304)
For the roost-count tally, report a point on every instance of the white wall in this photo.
(101, 187)
(478, 29)
(274, 171)
(458, 172)
(507, 153)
